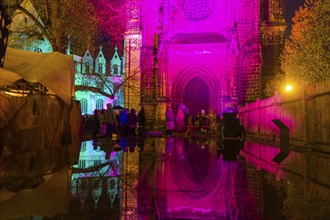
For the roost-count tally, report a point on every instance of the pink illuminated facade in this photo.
(206, 54)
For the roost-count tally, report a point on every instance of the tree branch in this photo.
(93, 89)
(34, 19)
(105, 83)
(118, 86)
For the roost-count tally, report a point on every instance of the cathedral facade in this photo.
(206, 54)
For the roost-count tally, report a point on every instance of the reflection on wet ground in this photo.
(175, 178)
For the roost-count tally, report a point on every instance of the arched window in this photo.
(115, 69)
(77, 66)
(84, 105)
(99, 104)
(100, 68)
(86, 68)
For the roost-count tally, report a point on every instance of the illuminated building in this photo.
(88, 72)
(87, 68)
(206, 54)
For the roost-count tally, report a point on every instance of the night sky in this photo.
(291, 7)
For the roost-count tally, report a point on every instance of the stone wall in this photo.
(250, 57)
(308, 118)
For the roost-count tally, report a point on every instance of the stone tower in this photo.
(272, 26)
(132, 45)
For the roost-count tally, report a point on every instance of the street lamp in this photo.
(288, 87)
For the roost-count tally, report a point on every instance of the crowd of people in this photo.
(127, 123)
(183, 121)
(123, 123)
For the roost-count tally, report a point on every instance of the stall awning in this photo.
(53, 70)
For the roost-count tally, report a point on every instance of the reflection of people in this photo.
(179, 121)
(169, 147)
(179, 149)
(131, 143)
(123, 144)
(140, 142)
(170, 117)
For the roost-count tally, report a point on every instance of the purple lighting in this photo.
(216, 43)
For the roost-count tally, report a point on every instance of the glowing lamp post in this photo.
(288, 88)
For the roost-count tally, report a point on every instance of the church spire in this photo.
(68, 49)
(100, 62)
(116, 63)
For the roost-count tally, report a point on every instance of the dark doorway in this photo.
(196, 96)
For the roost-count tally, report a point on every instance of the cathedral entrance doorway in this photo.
(196, 96)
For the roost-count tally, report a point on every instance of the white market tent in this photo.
(53, 70)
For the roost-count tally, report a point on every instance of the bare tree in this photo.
(106, 84)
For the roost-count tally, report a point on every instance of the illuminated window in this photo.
(78, 67)
(82, 163)
(115, 69)
(100, 68)
(99, 104)
(84, 105)
(83, 147)
(87, 68)
(112, 183)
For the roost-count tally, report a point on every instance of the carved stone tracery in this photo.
(197, 10)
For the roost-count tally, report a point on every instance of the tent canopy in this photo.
(53, 70)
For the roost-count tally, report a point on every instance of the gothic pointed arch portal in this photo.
(197, 96)
(198, 88)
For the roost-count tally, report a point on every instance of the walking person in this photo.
(118, 126)
(141, 121)
(179, 121)
(170, 124)
(132, 121)
(123, 123)
(110, 116)
(103, 123)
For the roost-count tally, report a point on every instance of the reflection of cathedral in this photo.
(190, 182)
(206, 54)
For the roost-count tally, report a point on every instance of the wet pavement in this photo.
(176, 178)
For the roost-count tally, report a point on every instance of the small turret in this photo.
(100, 62)
(116, 63)
(68, 49)
(87, 63)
